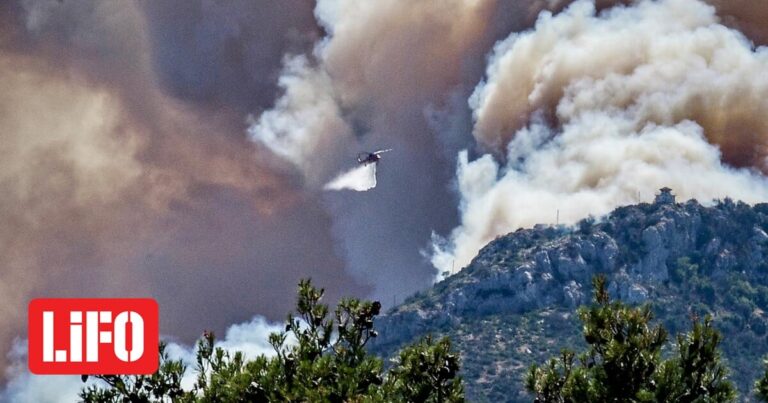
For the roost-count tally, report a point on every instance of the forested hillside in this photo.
(515, 304)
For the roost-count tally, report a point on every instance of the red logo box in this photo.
(93, 336)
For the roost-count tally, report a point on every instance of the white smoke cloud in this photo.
(581, 114)
(361, 179)
(592, 110)
(251, 338)
(377, 55)
(382, 69)
(305, 127)
(24, 387)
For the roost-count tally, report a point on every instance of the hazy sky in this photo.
(178, 149)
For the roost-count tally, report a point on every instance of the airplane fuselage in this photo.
(368, 159)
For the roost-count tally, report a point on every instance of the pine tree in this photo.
(761, 386)
(326, 362)
(623, 361)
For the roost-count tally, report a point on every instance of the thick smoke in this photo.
(112, 183)
(747, 16)
(305, 127)
(127, 166)
(593, 110)
(389, 74)
(227, 54)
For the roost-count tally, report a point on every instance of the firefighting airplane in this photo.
(370, 158)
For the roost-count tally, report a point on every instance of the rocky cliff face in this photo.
(649, 252)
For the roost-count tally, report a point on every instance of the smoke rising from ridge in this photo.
(397, 74)
(128, 166)
(591, 110)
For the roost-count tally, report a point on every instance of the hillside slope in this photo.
(514, 304)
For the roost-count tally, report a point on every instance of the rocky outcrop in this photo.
(636, 247)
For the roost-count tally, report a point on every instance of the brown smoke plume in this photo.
(125, 167)
(388, 75)
(591, 110)
(114, 182)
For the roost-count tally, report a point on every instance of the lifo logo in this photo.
(93, 336)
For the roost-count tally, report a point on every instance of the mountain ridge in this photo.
(514, 304)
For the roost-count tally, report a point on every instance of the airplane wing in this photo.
(381, 151)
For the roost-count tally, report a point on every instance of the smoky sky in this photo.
(227, 54)
(589, 121)
(126, 170)
(390, 75)
(177, 149)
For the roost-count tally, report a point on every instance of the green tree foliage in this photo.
(163, 385)
(761, 386)
(696, 373)
(623, 361)
(318, 358)
(425, 372)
